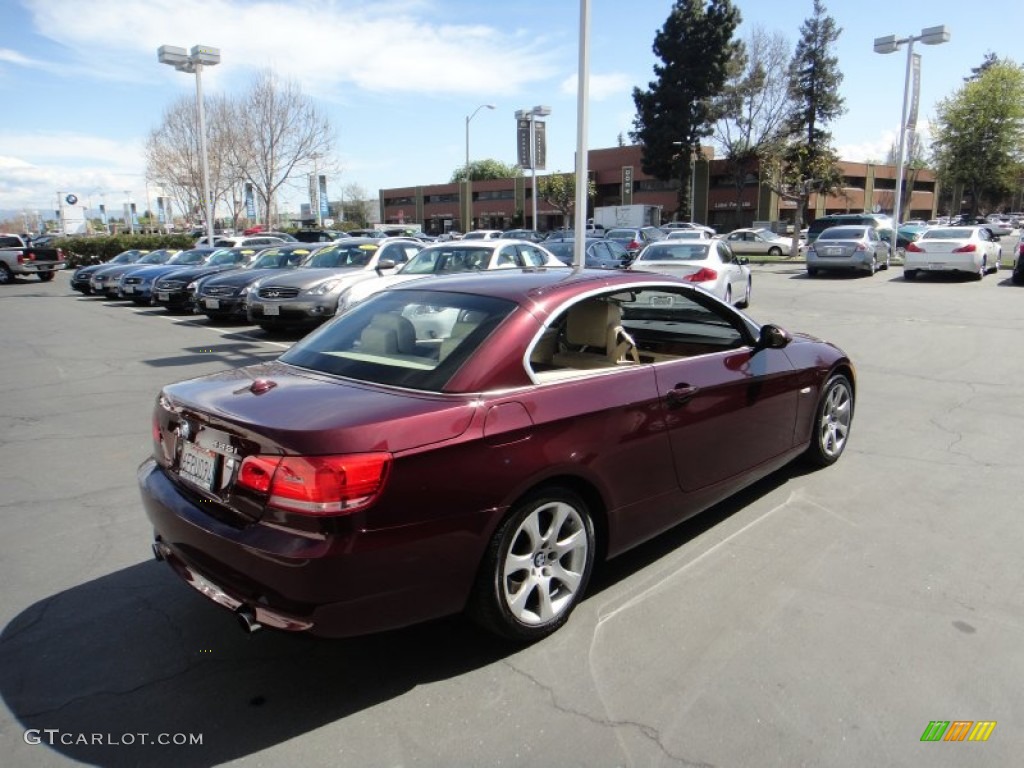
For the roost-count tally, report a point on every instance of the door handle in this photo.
(681, 394)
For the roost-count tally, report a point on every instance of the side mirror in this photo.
(385, 264)
(773, 337)
(742, 260)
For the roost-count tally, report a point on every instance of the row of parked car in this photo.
(301, 285)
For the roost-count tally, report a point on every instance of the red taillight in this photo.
(969, 248)
(702, 275)
(914, 248)
(861, 247)
(257, 472)
(317, 485)
(634, 245)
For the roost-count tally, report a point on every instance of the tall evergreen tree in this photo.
(695, 47)
(806, 163)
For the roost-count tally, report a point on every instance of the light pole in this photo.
(468, 223)
(201, 55)
(891, 44)
(532, 115)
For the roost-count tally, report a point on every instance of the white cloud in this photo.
(328, 46)
(601, 87)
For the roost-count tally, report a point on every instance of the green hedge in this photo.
(95, 250)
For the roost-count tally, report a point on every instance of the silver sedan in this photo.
(758, 242)
(851, 247)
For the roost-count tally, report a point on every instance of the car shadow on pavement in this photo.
(137, 652)
(101, 671)
(234, 354)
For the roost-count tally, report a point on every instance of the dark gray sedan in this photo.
(848, 248)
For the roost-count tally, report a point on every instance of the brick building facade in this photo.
(718, 200)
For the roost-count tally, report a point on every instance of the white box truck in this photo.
(612, 216)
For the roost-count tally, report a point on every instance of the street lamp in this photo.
(891, 44)
(532, 115)
(201, 55)
(469, 191)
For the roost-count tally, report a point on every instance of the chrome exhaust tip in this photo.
(247, 620)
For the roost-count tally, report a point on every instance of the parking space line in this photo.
(223, 332)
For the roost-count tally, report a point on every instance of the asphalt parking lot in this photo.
(818, 618)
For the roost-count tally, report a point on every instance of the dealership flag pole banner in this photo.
(540, 147)
(250, 204)
(915, 99)
(523, 143)
(324, 210)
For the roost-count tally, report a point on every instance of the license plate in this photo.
(163, 296)
(271, 309)
(129, 289)
(661, 301)
(197, 465)
(834, 251)
(212, 304)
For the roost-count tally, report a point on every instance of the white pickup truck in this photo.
(18, 258)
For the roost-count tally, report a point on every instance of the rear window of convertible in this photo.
(414, 339)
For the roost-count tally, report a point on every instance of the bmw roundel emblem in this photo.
(71, 199)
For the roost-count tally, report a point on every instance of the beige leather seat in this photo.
(388, 334)
(595, 337)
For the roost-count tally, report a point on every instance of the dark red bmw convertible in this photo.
(477, 443)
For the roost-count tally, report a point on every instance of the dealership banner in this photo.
(915, 93)
(160, 215)
(103, 214)
(250, 203)
(324, 210)
(135, 216)
(540, 145)
(523, 143)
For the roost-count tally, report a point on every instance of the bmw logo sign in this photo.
(71, 199)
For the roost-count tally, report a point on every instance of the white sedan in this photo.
(688, 234)
(710, 264)
(973, 250)
(758, 242)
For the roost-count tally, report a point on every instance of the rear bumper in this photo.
(351, 582)
(942, 262)
(860, 261)
(35, 267)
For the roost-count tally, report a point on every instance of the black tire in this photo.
(909, 274)
(531, 600)
(833, 419)
(5, 274)
(746, 296)
(45, 277)
(1017, 278)
(976, 276)
(728, 295)
(774, 251)
(811, 271)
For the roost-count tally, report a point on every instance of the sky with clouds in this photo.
(82, 88)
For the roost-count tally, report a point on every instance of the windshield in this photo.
(416, 339)
(228, 256)
(843, 233)
(452, 258)
(621, 234)
(278, 258)
(673, 252)
(952, 233)
(156, 257)
(341, 256)
(189, 257)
